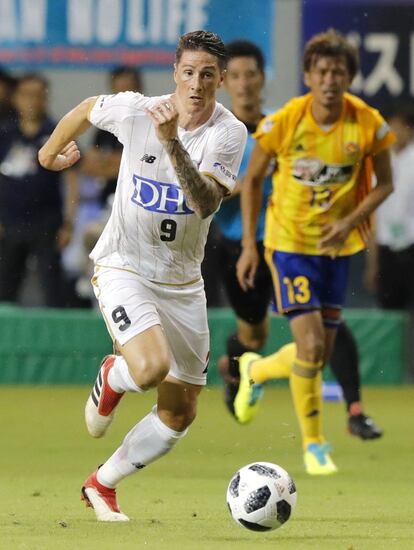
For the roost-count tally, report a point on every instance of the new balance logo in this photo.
(148, 158)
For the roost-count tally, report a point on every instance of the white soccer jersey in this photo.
(152, 231)
(395, 216)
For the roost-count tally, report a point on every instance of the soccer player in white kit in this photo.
(181, 156)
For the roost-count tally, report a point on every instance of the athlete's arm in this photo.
(60, 151)
(203, 194)
(335, 234)
(370, 275)
(251, 203)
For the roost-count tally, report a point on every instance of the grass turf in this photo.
(179, 502)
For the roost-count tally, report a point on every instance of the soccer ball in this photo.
(261, 496)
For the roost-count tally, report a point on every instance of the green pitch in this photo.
(179, 502)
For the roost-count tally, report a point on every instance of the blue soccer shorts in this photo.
(304, 282)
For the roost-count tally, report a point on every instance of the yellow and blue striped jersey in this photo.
(323, 173)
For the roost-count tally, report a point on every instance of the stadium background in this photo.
(179, 503)
(75, 42)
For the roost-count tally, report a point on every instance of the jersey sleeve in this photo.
(383, 136)
(110, 111)
(270, 133)
(224, 152)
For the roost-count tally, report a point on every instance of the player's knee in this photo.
(312, 349)
(149, 372)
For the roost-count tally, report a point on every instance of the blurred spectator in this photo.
(74, 257)
(33, 219)
(7, 85)
(103, 158)
(101, 162)
(390, 267)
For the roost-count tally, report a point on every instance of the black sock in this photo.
(234, 349)
(345, 364)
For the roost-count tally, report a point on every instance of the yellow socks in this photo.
(277, 365)
(305, 385)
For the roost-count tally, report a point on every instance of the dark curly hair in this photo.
(204, 41)
(330, 44)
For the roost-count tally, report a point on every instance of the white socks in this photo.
(148, 440)
(119, 377)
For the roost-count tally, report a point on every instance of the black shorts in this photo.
(395, 269)
(250, 306)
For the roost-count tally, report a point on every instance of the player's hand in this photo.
(246, 267)
(333, 237)
(164, 116)
(67, 157)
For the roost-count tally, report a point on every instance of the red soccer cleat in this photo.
(102, 500)
(100, 406)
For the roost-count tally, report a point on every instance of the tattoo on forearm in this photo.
(202, 194)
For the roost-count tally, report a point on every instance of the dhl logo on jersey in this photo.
(158, 196)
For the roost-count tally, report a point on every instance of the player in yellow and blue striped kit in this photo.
(327, 144)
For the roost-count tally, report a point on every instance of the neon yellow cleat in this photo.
(246, 402)
(317, 460)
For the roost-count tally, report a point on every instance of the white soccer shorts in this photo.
(131, 304)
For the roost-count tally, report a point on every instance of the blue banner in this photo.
(384, 33)
(103, 33)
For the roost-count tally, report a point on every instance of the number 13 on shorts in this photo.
(298, 291)
(293, 282)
